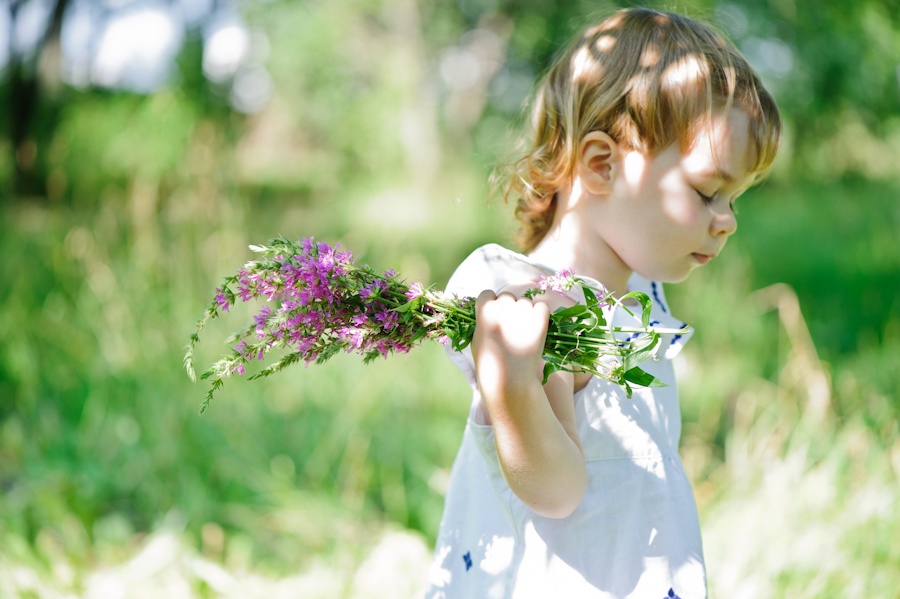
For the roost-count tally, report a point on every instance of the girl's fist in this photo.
(509, 339)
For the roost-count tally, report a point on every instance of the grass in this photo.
(320, 482)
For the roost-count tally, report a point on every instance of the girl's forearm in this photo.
(542, 463)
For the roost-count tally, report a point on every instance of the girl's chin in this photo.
(667, 277)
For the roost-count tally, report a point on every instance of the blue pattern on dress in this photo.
(677, 337)
(655, 287)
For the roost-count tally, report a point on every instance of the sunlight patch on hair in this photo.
(685, 71)
(650, 57)
(582, 65)
(605, 43)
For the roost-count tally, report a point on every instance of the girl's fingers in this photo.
(484, 297)
(489, 306)
(518, 320)
(509, 338)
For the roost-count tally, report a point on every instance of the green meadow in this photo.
(328, 481)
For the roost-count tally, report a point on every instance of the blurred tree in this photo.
(833, 66)
(59, 54)
(24, 91)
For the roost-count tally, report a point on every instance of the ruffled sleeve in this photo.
(660, 315)
(489, 267)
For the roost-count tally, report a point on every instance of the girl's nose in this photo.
(724, 223)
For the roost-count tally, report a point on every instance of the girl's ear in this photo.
(598, 162)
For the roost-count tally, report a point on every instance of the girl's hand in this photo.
(509, 340)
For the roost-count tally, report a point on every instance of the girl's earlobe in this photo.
(598, 162)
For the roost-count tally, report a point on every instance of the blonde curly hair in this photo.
(646, 78)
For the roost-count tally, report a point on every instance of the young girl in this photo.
(646, 131)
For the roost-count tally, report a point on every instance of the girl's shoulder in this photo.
(497, 268)
(494, 267)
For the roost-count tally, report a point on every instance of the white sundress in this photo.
(635, 534)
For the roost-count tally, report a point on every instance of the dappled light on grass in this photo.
(800, 522)
(386, 564)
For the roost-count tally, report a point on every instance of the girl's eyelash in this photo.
(710, 199)
(706, 199)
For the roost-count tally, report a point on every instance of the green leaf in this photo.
(590, 298)
(597, 311)
(410, 305)
(646, 305)
(561, 314)
(642, 378)
(549, 368)
(642, 354)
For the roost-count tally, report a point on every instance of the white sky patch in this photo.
(30, 25)
(224, 51)
(133, 45)
(4, 35)
(75, 37)
(137, 48)
(233, 53)
(194, 11)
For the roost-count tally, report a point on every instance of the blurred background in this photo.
(146, 143)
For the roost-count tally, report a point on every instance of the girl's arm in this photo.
(534, 426)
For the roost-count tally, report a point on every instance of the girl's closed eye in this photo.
(706, 199)
(709, 199)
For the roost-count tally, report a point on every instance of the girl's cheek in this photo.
(679, 201)
(680, 208)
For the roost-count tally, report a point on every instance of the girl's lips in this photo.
(702, 258)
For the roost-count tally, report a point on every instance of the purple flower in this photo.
(560, 282)
(222, 300)
(387, 318)
(354, 337)
(261, 317)
(415, 291)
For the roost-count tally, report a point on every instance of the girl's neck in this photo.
(570, 243)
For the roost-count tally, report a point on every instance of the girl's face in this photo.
(674, 212)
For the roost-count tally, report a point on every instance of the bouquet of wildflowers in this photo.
(319, 303)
